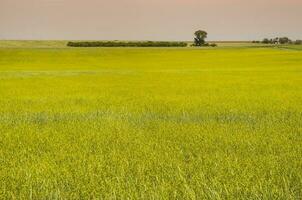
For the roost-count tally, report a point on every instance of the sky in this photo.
(149, 19)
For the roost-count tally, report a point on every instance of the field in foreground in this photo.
(151, 123)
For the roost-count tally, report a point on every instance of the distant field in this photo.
(150, 123)
(32, 44)
(63, 44)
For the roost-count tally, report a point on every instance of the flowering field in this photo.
(151, 123)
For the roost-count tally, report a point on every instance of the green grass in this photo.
(156, 123)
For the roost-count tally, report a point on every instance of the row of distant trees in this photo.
(199, 40)
(126, 44)
(279, 40)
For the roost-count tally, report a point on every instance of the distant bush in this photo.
(298, 42)
(266, 41)
(284, 40)
(126, 44)
(205, 45)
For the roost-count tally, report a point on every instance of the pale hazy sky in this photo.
(149, 19)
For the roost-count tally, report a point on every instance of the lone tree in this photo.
(200, 37)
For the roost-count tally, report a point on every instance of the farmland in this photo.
(150, 123)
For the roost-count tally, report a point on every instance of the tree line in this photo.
(279, 40)
(199, 40)
(126, 44)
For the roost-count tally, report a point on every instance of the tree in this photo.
(284, 40)
(200, 37)
(265, 41)
(298, 42)
(276, 40)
